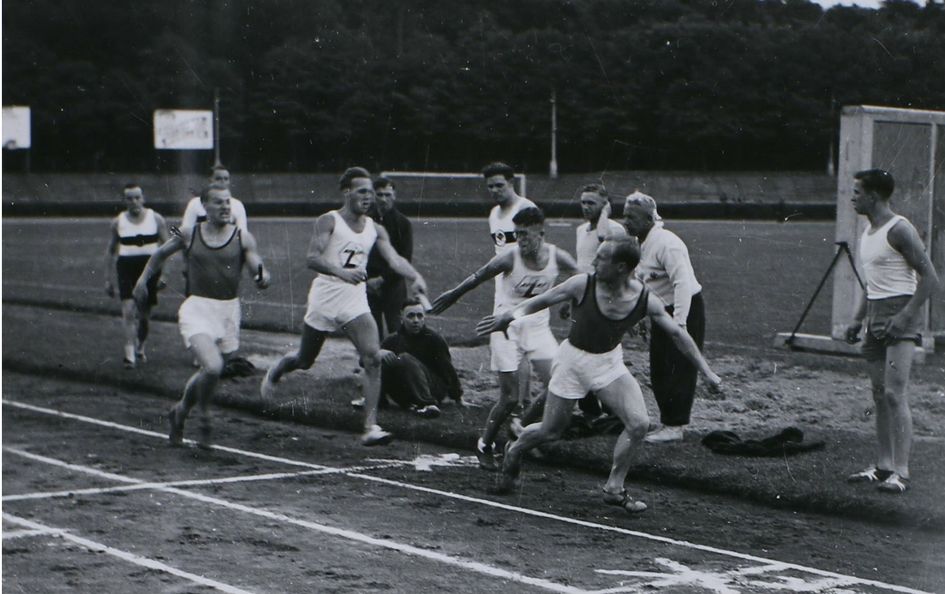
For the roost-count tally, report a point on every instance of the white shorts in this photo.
(217, 318)
(574, 372)
(531, 340)
(332, 304)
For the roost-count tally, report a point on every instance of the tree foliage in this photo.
(320, 84)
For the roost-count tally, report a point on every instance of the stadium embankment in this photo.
(750, 195)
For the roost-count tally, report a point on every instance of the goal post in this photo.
(445, 186)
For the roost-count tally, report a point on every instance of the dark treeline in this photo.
(312, 85)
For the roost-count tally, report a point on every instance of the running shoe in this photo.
(665, 435)
(486, 456)
(357, 403)
(376, 436)
(430, 411)
(870, 475)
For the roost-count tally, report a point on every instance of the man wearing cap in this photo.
(667, 271)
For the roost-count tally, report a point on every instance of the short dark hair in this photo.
(131, 186)
(498, 168)
(878, 181)
(383, 182)
(626, 250)
(410, 302)
(529, 216)
(218, 167)
(214, 187)
(598, 189)
(352, 173)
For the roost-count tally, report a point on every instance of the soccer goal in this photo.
(420, 186)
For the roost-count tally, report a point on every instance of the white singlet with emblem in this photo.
(524, 283)
(349, 249)
(501, 227)
(138, 239)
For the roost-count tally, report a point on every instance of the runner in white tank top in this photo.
(528, 270)
(337, 299)
(887, 272)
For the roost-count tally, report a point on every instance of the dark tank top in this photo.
(591, 331)
(214, 272)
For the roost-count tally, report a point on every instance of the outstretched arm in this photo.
(655, 310)
(501, 263)
(253, 261)
(398, 263)
(571, 289)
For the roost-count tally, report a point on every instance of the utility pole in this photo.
(216, 126)
(553, 165)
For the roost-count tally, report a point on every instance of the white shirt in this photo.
(196, 213)
(501, 227)
(887, 272)
(348, 248)
(665, 268)
(587, 242)
(523, 283)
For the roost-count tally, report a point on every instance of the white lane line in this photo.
(406, 549)
(521, 510)
(125, 555)
(24, 533)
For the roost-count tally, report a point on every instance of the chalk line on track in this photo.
(498, 505)
(123, 555)
(407, 549)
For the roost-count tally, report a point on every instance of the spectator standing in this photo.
(387, 290)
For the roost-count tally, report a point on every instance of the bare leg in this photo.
(501, 410)
(200, 386)
(554, 421)
(897, 369)
(362, 331)
(624, 398)
(311, 346)
(877, 372)
(129, 321)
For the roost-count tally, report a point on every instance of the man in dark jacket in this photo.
(387, 289)
(416, 368)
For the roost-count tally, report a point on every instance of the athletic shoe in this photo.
(376, 436)
(624, 501)
(894, 484)
(508, 479)
(358, 403)
(486, 456)
(665, 435)
(870, 475)
(128, 364)
(176, 433)
(430, 411)
(141, 357)
(267, 388)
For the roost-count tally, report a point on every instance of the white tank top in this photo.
(137, 239)
(523, 283)
(502, 232)
(887, 272)
(347, 248)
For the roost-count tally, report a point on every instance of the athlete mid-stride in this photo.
(337, 299)
(529, 270)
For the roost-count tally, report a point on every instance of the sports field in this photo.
(756, 276)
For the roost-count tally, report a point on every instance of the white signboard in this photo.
(179, 129)
(16, 127)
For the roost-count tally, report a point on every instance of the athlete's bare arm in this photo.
(156, 262)
(497, 265)
(398, 263)
(655, 309)
(569, 290)
(253, 261)
(320, 261)
(905, 239)
(111, 250)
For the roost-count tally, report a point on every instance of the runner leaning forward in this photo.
(209, 319)
(605, 304)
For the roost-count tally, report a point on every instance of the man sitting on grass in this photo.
(416, 368)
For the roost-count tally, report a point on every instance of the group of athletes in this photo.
(611, 287)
